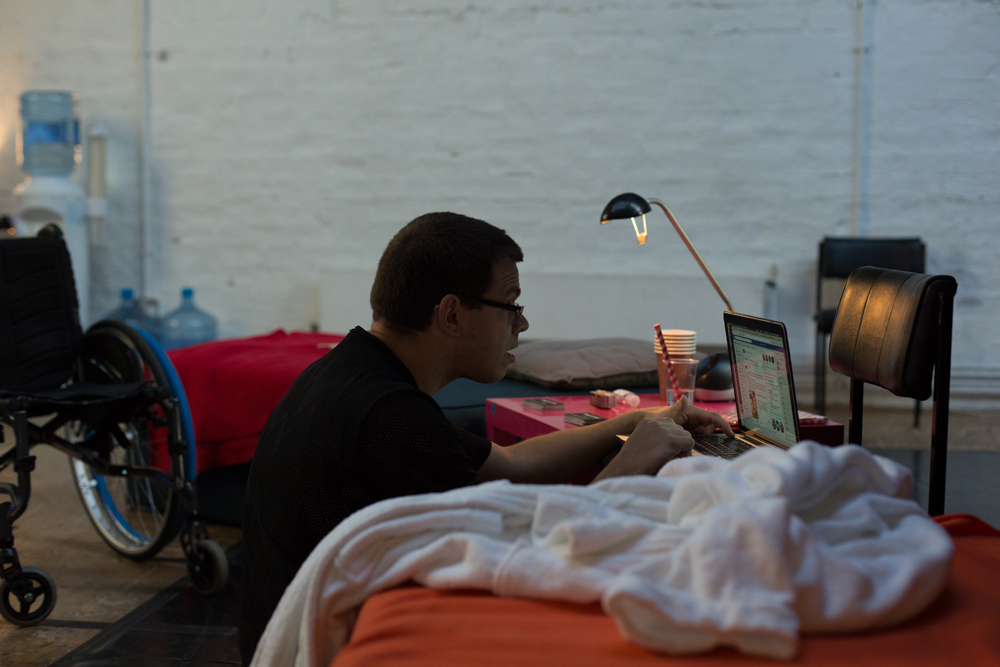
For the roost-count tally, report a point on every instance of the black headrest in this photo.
(839, 256)
(886, 330)
(39, 324)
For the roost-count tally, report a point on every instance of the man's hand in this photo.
(652, 444)
(695, 420)
(660, 435)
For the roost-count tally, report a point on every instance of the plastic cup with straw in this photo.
(666, 362)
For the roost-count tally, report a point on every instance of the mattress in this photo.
(416, 626)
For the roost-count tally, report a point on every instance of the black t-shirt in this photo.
(353, 429)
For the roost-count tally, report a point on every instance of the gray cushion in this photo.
(597, 363)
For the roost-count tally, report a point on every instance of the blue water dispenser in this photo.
(50, 133)
(48, 152)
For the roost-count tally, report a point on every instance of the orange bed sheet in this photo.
(416, 626)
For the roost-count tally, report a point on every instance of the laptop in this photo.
(765, 391)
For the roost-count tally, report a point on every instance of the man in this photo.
(359, 425)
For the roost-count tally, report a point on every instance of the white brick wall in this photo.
(291, 138)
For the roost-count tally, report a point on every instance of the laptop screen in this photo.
(762, 378)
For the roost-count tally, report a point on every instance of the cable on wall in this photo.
(145, 144)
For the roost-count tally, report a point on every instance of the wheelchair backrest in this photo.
(39, 324)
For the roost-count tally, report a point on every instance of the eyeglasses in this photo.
(512, 307)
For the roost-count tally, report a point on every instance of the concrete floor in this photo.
(893, 429)
(96, 587)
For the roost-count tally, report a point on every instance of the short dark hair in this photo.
(434, 255)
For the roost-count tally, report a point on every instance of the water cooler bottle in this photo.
(187, 325)
(48, 152)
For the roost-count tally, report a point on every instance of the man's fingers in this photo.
(679, 433)
(694, 418)
(718, 420)
(699, 417)
(714, 420)
(687, 441)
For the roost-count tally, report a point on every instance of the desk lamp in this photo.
(630, 206)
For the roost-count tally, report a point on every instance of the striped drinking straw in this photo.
(668, 364)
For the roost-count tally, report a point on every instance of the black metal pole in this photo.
(820, 402)
(24, 464)
(939, 420)
(857, 409)
(819, 366)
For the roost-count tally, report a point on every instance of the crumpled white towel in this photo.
(743, 553)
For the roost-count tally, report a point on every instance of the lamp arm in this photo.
(694, 252)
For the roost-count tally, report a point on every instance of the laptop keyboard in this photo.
(721, 446)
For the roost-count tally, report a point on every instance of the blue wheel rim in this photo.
(187, 425)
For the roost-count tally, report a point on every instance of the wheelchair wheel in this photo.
(30, 600)
(209, 568)
(135, 516)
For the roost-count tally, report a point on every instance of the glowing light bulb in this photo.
(640, 236)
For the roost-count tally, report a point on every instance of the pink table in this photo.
(507, 422)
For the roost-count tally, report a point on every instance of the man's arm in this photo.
(657, 436)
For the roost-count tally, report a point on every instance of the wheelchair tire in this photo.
(42, 590)
(134, 516)
(209, 569)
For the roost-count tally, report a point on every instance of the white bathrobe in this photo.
(745, 553)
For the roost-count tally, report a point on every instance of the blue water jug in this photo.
(132, 313)
(187, 325)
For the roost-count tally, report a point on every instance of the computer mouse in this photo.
(714, 379)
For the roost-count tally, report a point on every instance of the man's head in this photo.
(435, 255)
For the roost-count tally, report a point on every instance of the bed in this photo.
(232, 386)
(815, 555)
(416, 626)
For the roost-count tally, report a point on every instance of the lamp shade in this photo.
(625, 206)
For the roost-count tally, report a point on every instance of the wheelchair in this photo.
(112, 401)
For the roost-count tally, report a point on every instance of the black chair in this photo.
(838, 257)
(893, 329)
(105, 398)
